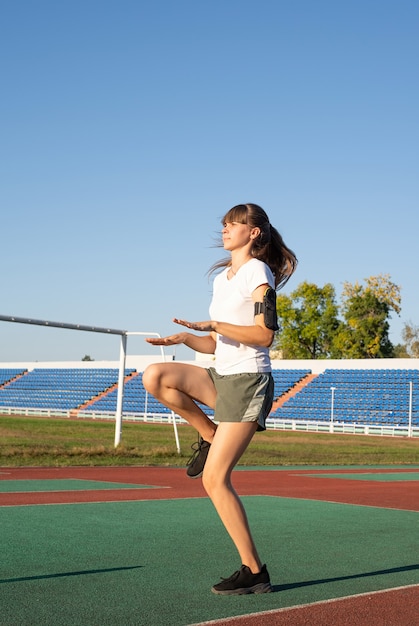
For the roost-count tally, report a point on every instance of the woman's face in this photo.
(235, 235)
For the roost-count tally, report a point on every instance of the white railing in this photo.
(272, 423)
(348, 428)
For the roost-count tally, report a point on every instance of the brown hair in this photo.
(268, 246)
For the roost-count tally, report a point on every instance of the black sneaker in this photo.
(243, 581)
(197, 461)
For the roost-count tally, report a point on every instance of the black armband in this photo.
(268, 308)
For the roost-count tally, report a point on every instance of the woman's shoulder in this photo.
(253, 263)
(258, 266)
(259, 270)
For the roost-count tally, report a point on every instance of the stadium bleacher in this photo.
(63, 389)
(8, 374)
(136, 399)
(285, 379)
(360, 396)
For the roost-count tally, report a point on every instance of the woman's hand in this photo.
(172, 340)
(185, 338)
(201, 326)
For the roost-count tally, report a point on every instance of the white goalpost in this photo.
(118, 422)
(122, 358)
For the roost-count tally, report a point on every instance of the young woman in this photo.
(240, 386)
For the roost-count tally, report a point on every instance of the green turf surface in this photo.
(153, 562)
(384, 477)
(65, 484)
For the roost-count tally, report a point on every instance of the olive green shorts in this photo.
(243, 397)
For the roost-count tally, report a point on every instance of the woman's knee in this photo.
(152, 377)
(208, 482)
(213, 479)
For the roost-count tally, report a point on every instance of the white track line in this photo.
(284, 609)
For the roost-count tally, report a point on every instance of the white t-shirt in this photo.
(232, 303)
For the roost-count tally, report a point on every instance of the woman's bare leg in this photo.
(229, 443)
(177, 385)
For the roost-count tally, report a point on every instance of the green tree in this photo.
(311, 328)
(380, 286)
(366, 311)
(400, 351)
(410, 335)
(309, 321)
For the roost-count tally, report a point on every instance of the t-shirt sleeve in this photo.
(259, 274)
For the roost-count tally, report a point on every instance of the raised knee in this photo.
(151, 377)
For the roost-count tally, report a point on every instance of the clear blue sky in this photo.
(128, 128)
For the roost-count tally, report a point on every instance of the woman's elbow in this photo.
(268, 338)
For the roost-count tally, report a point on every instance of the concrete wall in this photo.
(318, 366)
(140, 362)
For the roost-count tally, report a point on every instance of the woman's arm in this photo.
(255, 335)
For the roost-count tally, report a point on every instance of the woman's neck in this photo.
(237, 260)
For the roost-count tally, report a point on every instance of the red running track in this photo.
(395, 607)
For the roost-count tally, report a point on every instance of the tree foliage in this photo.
(410, 335)
(365, 333)
(381, 287)
(312, 328)
(366, 311)
(309, 321)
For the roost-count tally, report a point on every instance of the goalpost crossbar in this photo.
(92, 329)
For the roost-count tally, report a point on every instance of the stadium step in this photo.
(293, 391)
(105, 393)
